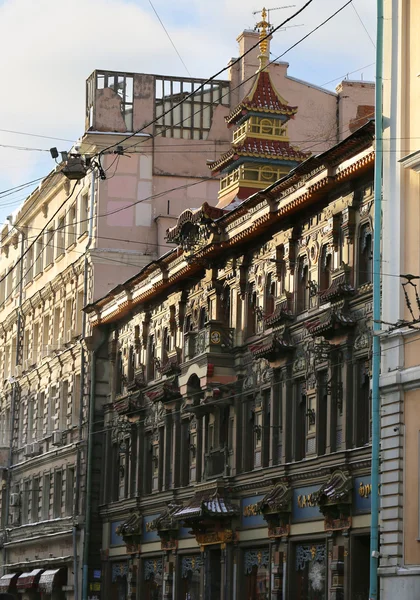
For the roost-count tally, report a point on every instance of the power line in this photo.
(363, 25)
(48, 137)
(169, 37)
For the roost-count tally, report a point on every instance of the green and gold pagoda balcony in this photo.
(213, 338)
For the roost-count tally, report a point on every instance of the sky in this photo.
(50, 47)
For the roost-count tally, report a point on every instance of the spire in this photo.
(264, 28)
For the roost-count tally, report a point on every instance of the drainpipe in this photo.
(376, 345)
(82, 380)
(14, 395)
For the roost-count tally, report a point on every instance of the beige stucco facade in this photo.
(400, 345)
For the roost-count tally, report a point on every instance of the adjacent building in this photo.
(192, 358)
(400, 384)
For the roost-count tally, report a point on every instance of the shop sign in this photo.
(362, 493)
(250, 517)
(116, 540)
(304, 506)
(149, 534)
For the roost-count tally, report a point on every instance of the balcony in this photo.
(214, 338)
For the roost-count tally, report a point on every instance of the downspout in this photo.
(376, 345)
(14, 394)
(82, 381)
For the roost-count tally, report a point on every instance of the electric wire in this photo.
(169, 37)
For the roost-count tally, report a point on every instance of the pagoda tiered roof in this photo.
(262, 98)
(260, 148)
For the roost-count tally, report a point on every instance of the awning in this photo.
(27, 581)
(51, 579)
(8, 581)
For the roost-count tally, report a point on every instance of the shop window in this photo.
(153, 579)
(190, 576)
(365, 255)
(310, 573)
(119, 586)
(325, 269)
(257, 575)
(302, 288)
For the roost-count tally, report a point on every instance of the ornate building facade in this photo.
(232, 417)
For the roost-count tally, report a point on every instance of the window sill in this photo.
(59, 257)
(82, 236)
(28, 283)
(37, 276)
(48, 267)
(71, 246)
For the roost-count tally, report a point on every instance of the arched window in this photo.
(325, 269)
(365, 258)
(302, 299)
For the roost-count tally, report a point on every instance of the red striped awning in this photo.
(29, 580)
(7, 581)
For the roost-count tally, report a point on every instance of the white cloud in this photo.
(51, 47)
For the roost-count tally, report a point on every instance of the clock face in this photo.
(215, 337)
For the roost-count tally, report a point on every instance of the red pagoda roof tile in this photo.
(260, 148)
(262, 98)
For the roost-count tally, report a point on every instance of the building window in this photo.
(70, 481)
(64, 397)
(365, 256)
(302, 288)
(84, 213)
(151, 356)
(61, 225)
(300, 418)
(58, 492)
(46, 491)
(257, 573)
(31, 414)
(325, 269)
(76, 399)
(363, 403)
(35, 501)
(35, 343)
(321, 413)
(79, 312)
(45, 336)
(56, 328)
(251, 313)
(40, 415)
(71, 225)
(39, 256)
(49, 247)
(25, 502)
(52, 410)
(21, 433)
(29, 265)
(269, 296)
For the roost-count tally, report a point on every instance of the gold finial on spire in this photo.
(264, 28)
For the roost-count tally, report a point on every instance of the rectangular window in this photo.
(39, 256)
(51, 410)
(25, 501)
(70, 481)
(46, 491)
(321, 413)
(35, 343)
(300, 417)
(58, 491)
(31, 413)
(79, 312)
(71, 225)
(21, 434)
(76, 399)
(36, 498)
(40, 415)
(49, 246)
(6, 372)
(2, 288)
(45, 335)
(29, 265)
(9, 284)
(57, 314)
(26, 347)
(61, 226)
(84, 213)
(68, 332)
(64, 397)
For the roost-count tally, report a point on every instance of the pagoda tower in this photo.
(261, 152)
